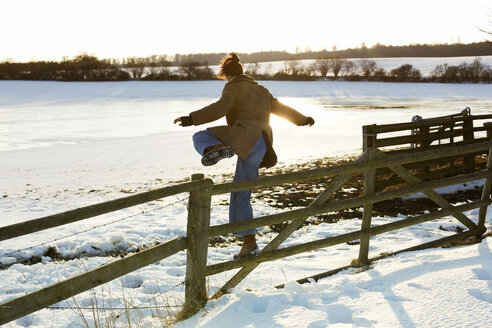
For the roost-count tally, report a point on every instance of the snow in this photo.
(67, 145)
(431, 288)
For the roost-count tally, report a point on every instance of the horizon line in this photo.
(306, 50)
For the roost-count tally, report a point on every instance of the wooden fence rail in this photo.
(53, 294)
(395, 127)
(199, 229)
(340, 239)
(56, 220)
(398, 159)
(342, 204)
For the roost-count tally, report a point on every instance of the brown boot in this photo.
(250, 248)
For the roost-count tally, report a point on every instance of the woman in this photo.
(247, 107)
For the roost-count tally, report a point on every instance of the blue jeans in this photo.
(246, 169)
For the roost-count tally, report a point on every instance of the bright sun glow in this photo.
(50, 29)
(309, 108)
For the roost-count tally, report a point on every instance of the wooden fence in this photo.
(196, 242)
(428, 134)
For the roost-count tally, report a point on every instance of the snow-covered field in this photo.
(67, 145)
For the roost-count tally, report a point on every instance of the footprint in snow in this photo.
(482, 274)
(481, 296)
(338, 313)
(418, 286)
(176, 272)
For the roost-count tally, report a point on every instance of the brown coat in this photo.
(247, 107)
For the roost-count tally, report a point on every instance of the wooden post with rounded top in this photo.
(197, 239)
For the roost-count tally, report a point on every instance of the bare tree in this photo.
(488, 31)
(348, 67)
(327, 64)
(368, 67)
(293, 67)
(322, 64)
(253, 69)
(153, 65)
(476, 69)
(310, 70)
(474, 72)
(337, 65)
(439, 73)
(136, 66)
(195, 70)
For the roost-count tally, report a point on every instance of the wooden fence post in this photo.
(488, 181)
(468, 137)
(424, 145)
(369, 187)
(197, 239)
(368, 136)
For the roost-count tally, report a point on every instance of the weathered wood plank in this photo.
(407, 150)
(400, 159)
(394, 180)
(385, 128)
(331, 241)
(396, 127)
(55, 220)
(343, 204)
(280, 179)
(427, 138)
(348, 168)
(434, 162)
(438, 199)
(337, 183)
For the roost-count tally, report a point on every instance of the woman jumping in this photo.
(247, 107)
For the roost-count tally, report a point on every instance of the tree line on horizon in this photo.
(195, 67)
(376, 51)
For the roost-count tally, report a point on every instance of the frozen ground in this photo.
(66, 145)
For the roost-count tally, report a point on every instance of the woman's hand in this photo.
(309, 121)
(184, 121)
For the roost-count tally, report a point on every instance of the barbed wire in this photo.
(95, 227)
(131, 308)
(111, 308)
(161, 294)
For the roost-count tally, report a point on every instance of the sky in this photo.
(51, 29)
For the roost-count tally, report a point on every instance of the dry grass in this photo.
(162, 312)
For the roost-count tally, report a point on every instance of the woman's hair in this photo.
(230, 66)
